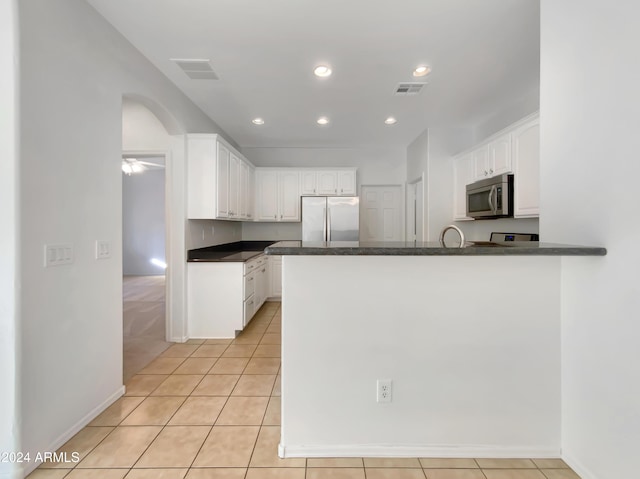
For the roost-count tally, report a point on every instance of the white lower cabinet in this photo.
(275, 265)
(223, 297)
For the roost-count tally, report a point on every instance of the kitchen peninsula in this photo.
(469, 338)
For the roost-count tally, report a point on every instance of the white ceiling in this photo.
(484, 55)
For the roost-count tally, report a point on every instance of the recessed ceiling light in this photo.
(322, 71)
(323, 120)
(390, 121)
(257, 121)
(422, 70)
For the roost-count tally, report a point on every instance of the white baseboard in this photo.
(178, 339)
(577, 467)
(371, 450)
(73, 430)
(12, 470)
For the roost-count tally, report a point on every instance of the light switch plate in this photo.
(103, 249)
(58, 254)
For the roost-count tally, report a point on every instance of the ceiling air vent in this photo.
(409, 88)
(196, 69)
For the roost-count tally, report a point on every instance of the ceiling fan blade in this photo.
(146, 163)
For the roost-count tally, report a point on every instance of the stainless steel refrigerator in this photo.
(330, 218)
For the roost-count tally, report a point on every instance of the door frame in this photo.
(412, 186)
(170, 273)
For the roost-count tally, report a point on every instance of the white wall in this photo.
(202, 233)
(472, 376)
(589, 109)
(10, 417)
(70, 181)
(143, 221)
(141, 129)
(376, 166)
(527, 105)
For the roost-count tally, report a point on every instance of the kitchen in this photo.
(598, 358)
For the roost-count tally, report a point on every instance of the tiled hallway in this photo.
(211, 410)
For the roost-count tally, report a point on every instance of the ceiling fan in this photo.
(133, 165)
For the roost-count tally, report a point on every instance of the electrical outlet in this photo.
(383, 390)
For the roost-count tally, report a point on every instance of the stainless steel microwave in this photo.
(491, 198)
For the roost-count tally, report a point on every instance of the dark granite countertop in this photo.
(478, 248)
(240, 251)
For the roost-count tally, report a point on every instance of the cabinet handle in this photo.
(341, 190)
(280, 216)
(336, 190)
(486, 172)
(314, 191)
(250, 279)
(264, 270)
(275, 217)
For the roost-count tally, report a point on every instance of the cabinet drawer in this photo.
(249, 284)
(249, 266)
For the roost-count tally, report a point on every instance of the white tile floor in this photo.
(211, 410)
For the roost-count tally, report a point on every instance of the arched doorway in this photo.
(147, 229)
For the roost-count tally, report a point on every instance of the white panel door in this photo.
(381, 213)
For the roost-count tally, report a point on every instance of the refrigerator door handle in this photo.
(324, 224)
(329, 224)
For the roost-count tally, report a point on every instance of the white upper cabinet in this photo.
(328, 182)
(347, 182)
(308, 183)
(516, 150)
(500, 155)
(217, 179)
(289, 195)
(234, 186)
(222, 181)
(267, 197)
(526, 163)
(493, 158)
(463, 173)
(480, 159)
(278, 196)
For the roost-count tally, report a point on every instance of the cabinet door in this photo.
(526, 162)
(276, 276)
(463, 169)
(327, 182)
(251, 193)
(233, 186)
(480, 159)
(308, 183)
(267, 200)
(347, 183)
(243, 191)
(500, 156)
(222, 182)
(289, 196)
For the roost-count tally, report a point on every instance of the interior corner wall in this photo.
(10, 418)
(70, 193)
(203, 233)
(589, 102)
